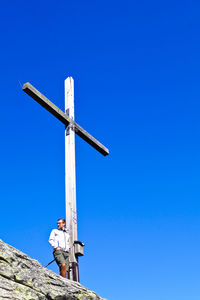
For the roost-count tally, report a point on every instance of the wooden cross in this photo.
(71, 127)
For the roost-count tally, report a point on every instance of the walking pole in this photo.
(49, 263)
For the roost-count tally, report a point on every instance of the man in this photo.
(59, 240)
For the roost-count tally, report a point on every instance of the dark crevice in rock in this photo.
(4, 260)
(61, 298)
(7, 277)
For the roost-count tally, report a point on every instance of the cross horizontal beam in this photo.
(64, 118)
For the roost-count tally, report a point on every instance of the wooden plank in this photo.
(70, 177)
(90, 140)
(60, 115)
(46, 103)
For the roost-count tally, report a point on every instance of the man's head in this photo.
(61, 223)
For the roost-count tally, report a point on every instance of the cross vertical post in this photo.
(70, 179)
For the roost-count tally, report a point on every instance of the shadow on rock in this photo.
(63, 298)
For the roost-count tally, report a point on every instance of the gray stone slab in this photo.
(23, 278)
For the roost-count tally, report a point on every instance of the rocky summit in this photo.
(23, 278)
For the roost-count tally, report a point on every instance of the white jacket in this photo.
(59, 238)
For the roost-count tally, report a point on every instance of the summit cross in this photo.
(71, 127)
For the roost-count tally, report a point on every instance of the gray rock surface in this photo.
(23, 278)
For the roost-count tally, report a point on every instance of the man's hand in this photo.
(58, 248)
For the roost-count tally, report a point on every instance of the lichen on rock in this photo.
(23, 278)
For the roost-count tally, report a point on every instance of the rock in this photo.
(23, 278)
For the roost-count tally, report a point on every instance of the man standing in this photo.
(59, 240)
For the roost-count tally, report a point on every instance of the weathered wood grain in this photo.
(70, 179)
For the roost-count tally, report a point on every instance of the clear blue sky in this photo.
(136, 67)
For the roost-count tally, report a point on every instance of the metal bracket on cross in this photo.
(68, 127)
